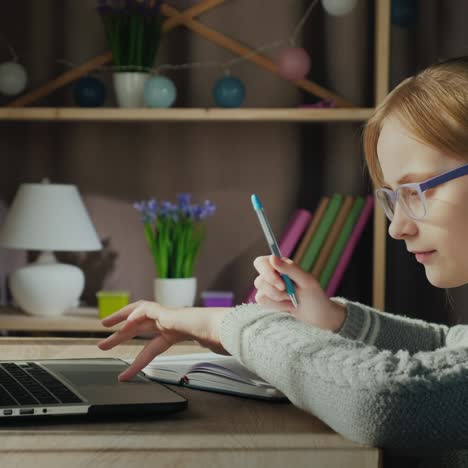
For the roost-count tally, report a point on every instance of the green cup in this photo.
(111, 301)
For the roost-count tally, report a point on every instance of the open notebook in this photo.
(212, 372)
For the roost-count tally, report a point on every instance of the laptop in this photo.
(80, 387)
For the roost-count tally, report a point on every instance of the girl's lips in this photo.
(423, 257)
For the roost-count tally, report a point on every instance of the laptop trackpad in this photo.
(87, 373)
(96, 380)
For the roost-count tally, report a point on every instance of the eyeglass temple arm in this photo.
(442, 178)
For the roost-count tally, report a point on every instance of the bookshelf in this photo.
(299, 115)
(184, 115)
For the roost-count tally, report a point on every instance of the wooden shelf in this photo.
(82, 320)
(109, 114)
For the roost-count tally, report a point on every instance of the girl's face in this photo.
(440, 240)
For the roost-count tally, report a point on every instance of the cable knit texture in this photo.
(383, 380)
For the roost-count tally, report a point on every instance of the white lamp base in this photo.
(47, 289)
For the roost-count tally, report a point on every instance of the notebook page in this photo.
(229, 368)
(209, 363)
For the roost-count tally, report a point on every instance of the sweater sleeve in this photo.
(388, 331)
(372, 396)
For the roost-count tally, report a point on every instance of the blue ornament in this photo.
(404, 13)
(159, 92)
(229, 92)
(89, 92)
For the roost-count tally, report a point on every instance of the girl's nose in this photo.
(402, 225)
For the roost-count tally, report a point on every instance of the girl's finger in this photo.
(285, 305)
(263, 266)
(155, 347)
(127, 332)
(269, 290)
(141, 313)
(120, 315)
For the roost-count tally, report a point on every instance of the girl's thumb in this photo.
(287, 266)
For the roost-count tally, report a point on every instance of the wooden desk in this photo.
(216, 430)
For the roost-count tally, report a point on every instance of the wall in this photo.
(114, 164)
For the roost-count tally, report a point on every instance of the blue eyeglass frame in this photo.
(421, 187)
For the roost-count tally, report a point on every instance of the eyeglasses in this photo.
(411, 196)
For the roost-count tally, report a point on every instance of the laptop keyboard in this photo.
(30, 384)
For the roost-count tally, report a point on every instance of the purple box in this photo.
(217, 298)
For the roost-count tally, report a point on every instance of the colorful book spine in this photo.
(311, 230)
(350, 246)
(293, 232)
(332, 236)
(313, 250)
(341, 242)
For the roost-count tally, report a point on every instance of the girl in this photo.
(378, 379)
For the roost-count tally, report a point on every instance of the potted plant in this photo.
(133, 31)
(174, 234)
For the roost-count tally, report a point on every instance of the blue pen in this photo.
(257, 204)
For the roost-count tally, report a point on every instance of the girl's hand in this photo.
(315, 308)
(170, 326)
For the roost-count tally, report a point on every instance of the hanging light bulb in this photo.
(89, 91)
(293, 63)
(339, 7)
(229, 91)
(160, 92)
(13, 78)
(404, 13)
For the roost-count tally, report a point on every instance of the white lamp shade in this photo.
(48, 217)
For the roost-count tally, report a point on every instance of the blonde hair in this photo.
(433, 105)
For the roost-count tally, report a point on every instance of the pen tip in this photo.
(294, 300)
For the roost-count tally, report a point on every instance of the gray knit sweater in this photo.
(382, 380)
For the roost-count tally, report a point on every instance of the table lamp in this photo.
(48, 217)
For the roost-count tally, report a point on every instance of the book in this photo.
(332, 236)
(211, 372)
(350, 246)
(289, 239)
(313, 249)
(341, 241)
(317, 216)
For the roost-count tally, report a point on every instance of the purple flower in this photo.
(209, 209)
(152, 208)
(183, 210)
(184, 200)
(147, 210)
(166, 209)
(196, 212)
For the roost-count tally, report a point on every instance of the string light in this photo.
(228, 64)
(13, 76)
(292, 63)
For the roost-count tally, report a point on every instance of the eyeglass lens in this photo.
(410, 200)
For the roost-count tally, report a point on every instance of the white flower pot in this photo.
(129, 88)
(175, 292)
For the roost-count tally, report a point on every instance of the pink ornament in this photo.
(293, 63)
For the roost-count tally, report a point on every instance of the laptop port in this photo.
(7, 412)
(27, 411)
